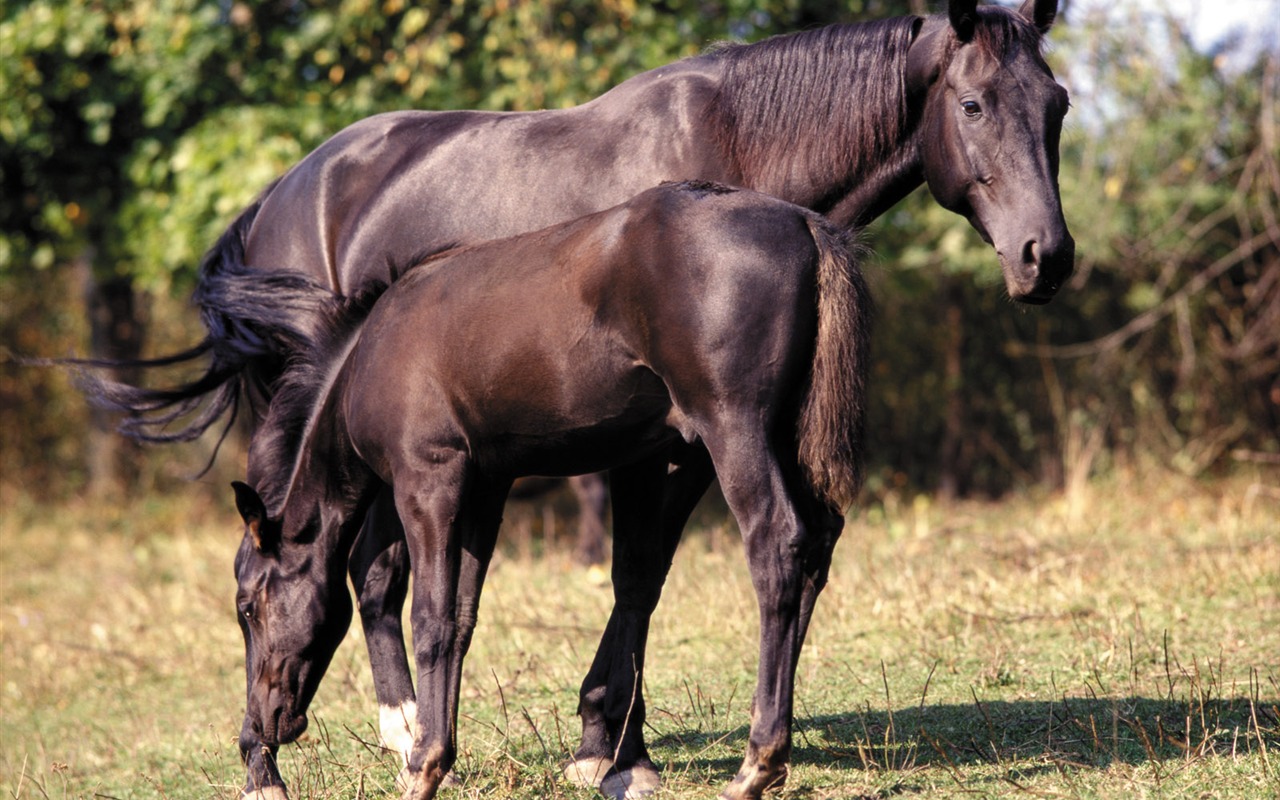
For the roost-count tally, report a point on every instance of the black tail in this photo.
(254, 319)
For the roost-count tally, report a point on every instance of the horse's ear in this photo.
(1041, 13)
(254, 513)
(964, 16)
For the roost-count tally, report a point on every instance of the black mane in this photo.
(1001, 33)
(301, 390)
(792, 105)
(825, 107)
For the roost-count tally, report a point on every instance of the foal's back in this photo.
(588, 343)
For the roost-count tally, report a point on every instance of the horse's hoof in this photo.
(265, 793)
(629, 784)
(753, 784)
(587, 771)
(451, 780)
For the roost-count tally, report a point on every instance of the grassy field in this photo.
(1124, 642)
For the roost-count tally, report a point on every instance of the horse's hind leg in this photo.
(379, 569)
(650, 510)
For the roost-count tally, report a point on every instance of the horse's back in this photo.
(392, 186)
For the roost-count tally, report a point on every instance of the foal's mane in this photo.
(300, 393)
(802, 105)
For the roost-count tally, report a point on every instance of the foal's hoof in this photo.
(587, 771)
(265, 793)
(638, 781)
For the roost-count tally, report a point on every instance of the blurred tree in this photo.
(1166, 343)
(131, 132)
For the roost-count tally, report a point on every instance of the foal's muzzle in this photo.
(275, 724)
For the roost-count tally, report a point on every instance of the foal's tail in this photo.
(832, 418)
(253, 319)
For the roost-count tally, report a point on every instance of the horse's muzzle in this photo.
(1040, 269)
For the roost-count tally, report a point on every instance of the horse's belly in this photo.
(574, 452)
(545, 433)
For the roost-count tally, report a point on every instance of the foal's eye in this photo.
(247, 611)
(971, 108)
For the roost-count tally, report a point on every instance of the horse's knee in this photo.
(432, 640)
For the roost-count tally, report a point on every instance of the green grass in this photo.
(1124, 642)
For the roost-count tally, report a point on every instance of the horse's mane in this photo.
(1001, 33)
(300, 393)
(792, 105)
(824, 107)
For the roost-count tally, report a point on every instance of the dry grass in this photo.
(1125, 644)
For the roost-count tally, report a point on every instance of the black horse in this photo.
(693, 324)
(845, 120)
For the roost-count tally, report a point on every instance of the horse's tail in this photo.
(832, 417)
(254, 319)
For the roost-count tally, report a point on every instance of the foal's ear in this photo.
(1041, 13)
(964, 16)
(254, 513)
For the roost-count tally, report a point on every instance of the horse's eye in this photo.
(971, 108)
(247, 611)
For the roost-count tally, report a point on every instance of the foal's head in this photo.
(293, 608)
(991, 125)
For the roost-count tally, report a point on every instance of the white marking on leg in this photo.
(266, 793)
(398, 726)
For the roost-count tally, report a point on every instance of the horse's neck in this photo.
(861, 153)
(873, 193)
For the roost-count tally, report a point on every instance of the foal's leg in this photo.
(788, 558)
(650, 511)
(450, 530)
(379, 569)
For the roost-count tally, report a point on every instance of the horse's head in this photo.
(293, 612)
(991, 123)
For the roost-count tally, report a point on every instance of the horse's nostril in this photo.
(1031, 253)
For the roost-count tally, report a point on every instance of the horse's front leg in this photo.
(450, 528)
(650, 511)
(379, 569)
